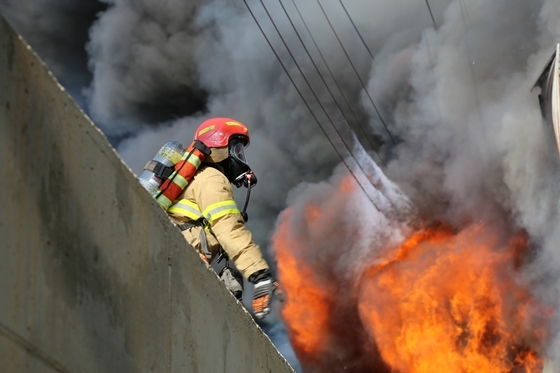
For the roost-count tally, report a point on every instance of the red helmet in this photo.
(216, 132)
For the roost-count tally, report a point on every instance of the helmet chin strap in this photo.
(247, 181)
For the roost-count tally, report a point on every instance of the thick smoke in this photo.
(58, 31)
(244, 80)
(142, 59)
(469, 105)
(456, 97)
(472, 145)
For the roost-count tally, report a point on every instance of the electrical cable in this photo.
(357, 74)
(313, 91)
(356, 28)
(426, 41)
(331, 74)
(464, 16)
(304, 100)
(431, 14)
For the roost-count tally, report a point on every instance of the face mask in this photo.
(236, 168)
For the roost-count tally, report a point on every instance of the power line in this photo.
(356, 28)
(331, 75)
(303, 98)
(431, 14)
(311, 87)
(464, 16)
(357, 74)
(426, 41)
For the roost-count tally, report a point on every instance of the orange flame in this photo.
(451, 303)
(444, 301)
(307, 302)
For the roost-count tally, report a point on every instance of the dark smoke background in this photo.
(58, 31)
(454, 91)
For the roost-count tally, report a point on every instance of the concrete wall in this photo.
(93, 277)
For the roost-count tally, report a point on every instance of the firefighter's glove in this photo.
(265, 288)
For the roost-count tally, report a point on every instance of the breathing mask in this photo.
(236, 168)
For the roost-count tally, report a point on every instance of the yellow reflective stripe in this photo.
(211, 213)
(163, 200)
(204, 130)
(234, 124)
(219, 209)
(193, 159)
(238, 125)
(179, 180)
(186, 208)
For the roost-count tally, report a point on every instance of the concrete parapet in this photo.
(93, 276)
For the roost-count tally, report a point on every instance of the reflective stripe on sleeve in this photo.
(186, 208)
(219, 209)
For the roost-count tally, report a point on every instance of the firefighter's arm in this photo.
(217, 204)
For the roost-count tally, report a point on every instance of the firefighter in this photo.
(208, 216)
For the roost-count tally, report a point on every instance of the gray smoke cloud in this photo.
(238, 69)
(472, 142)
(58, 31)
(456, 98)
(142, 59)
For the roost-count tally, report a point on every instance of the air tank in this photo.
(161, 166)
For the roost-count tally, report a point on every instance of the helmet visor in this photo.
(237, 151)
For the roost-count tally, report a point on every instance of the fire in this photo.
(451, 303)
(443, 301)
(307, 304)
